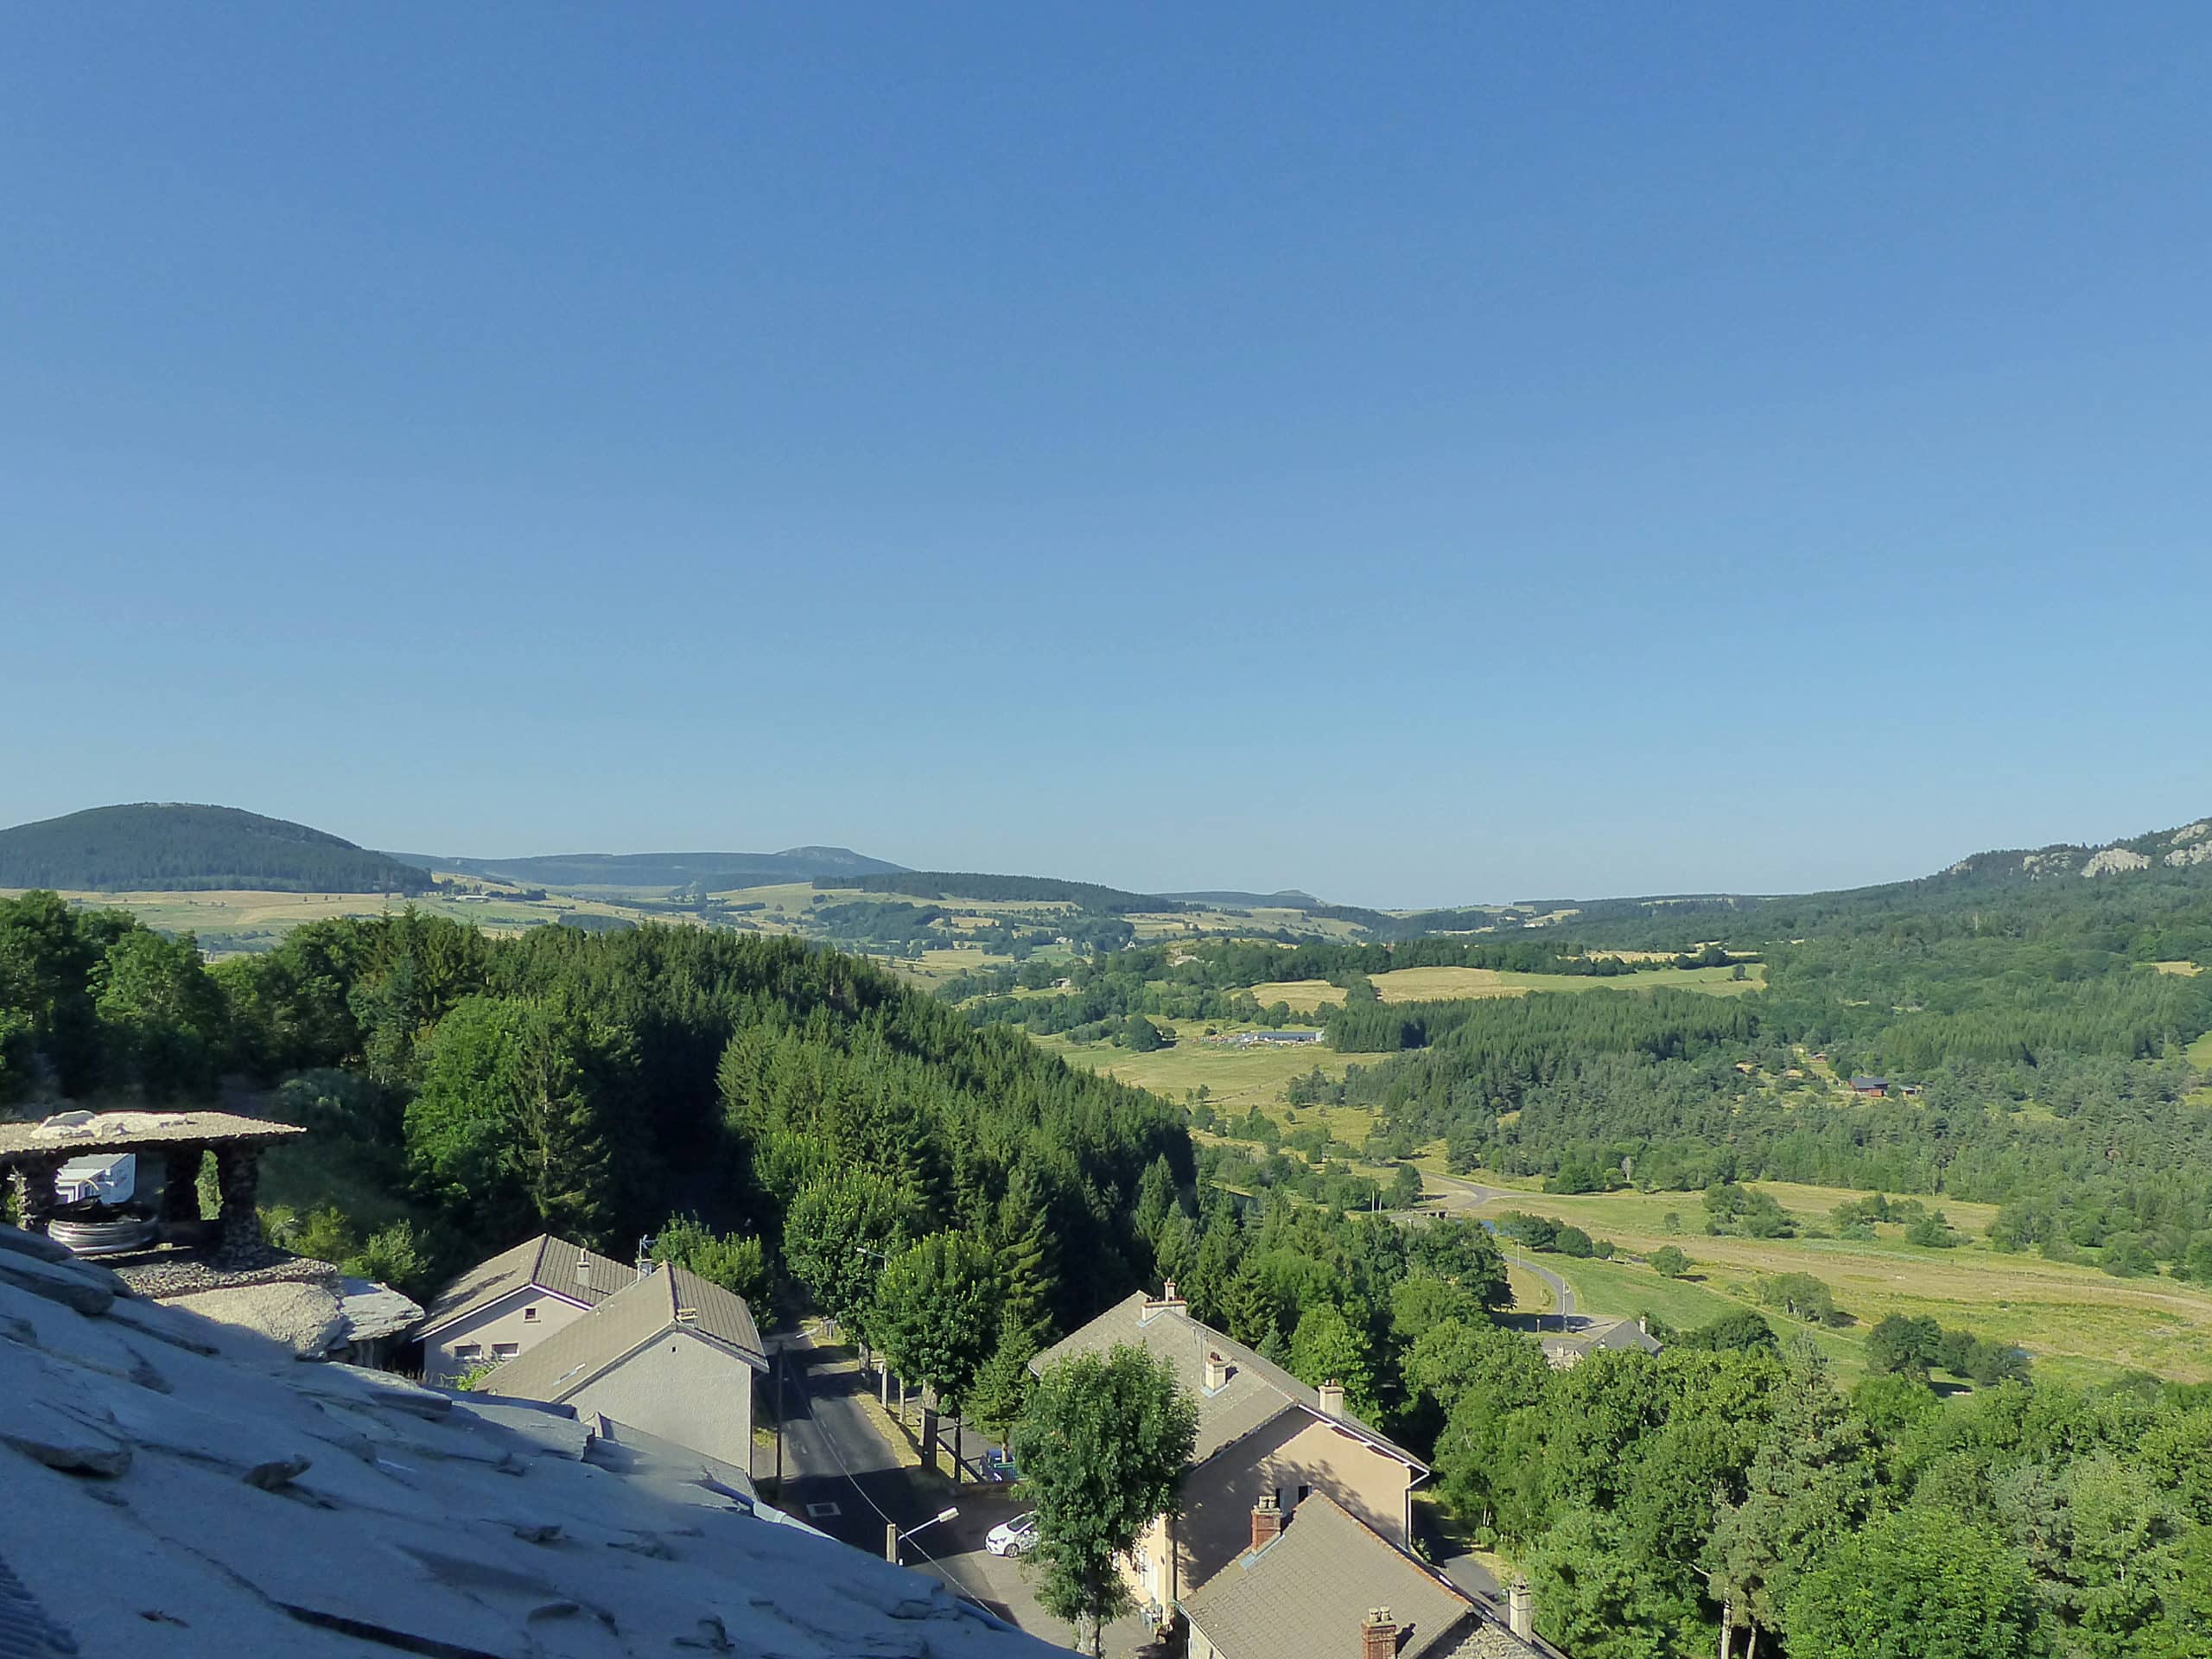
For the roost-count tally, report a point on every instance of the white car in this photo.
(1014, 1537)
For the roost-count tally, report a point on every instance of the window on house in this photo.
(505, 1349)
(530, 1316)
(468, 1351)
(1304, 1492)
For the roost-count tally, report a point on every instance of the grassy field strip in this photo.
(1530, 1294)
(215, 915)
(1454, 984)
(1236, 1079)
(2075, 1319)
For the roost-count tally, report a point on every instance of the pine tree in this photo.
(1811, 1482)
(1000, 1391)
(1027, 1262)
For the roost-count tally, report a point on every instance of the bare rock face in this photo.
(75, 1284)
(50, 1420)
(307, 1319)
(2197, 852)
(2114, 860)
(32, 1244)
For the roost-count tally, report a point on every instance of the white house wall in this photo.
(684, 1388)
(504, 1321)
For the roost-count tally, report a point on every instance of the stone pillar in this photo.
(237, 1171)
(34, 1180)
(180, 1185)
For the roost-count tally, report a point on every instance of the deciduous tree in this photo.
(1102, 1447)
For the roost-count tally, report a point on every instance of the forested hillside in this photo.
(175, 848)
(2035, 1035)
(2159, 879)
(468, 1092)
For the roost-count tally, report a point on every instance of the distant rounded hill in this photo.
(170, 847)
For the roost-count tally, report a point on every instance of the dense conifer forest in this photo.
(471, 1091)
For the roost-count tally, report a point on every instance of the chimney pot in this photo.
(1266, 1521)
(1644, 1323)
(1217, 1372)
(1521, 1611)
(1378, 1635)
(583, 1273)
(1167, 1292)
(1332, 1399)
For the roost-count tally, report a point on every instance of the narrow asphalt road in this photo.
(841, 1476)
(1473, 1195)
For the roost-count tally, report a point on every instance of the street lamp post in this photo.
(893, 1537)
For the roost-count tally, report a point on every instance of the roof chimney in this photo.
(1166, 1302)
(1644, 1323)
(1521, 1611)
(1266, 1521)
(1217, 1372)
(1332, 1399)
(583, 1271)
(1378, 1635)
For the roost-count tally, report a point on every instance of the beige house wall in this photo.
(682, 1387)
(1296, 1451)
(525, 1317)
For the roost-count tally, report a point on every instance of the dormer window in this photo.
(530, 1316)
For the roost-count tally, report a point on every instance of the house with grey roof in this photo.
(500, 1309)
(1320, 1584)
(670, 1353)
(1568, 1348)
(1262, 1433)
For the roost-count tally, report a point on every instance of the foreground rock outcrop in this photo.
(175, 1486)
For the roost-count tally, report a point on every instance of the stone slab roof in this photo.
(1257, 1392)
(670, 1297)
(1308, 1593)
(546, 1262)
(76, 1134)
(180, 1490)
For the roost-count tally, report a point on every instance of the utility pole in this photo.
(782, 1366)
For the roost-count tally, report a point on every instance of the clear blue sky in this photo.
(1417, 454)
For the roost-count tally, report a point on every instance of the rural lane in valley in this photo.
(1473, 1196)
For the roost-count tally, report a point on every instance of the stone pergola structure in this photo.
(33, 1153)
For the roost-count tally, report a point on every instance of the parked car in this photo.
(997, 1465)
(1014, 1537)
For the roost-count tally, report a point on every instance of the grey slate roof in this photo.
(1308, 1594)
(177, 1489)
(1257, 1392)
(1590, 1335)
(669, 1298)
(546, 1261)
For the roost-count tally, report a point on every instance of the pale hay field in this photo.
(1456, 984)
(2073, 1320)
